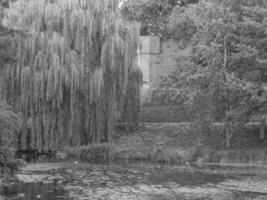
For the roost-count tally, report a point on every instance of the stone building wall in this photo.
(157, 58)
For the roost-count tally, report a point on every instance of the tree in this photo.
(9, 126)
(71, 69)
(132, 104)
(228, 61)
(9, 120)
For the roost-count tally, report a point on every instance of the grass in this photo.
(166, 155)
(254, 156)
(94, 152)
(108, 152)
(163, 144)
(158, 155)
(170, 144)
(166, 113)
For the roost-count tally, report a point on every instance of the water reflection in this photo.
(35, 191)
(142, 182)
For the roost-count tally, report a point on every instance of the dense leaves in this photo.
(71, 70)
(9, 129)
(152, 14)
(9, 126)
(9, 120)
(228, 64)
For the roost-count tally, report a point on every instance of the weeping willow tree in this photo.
(132, 103)
(71, 70)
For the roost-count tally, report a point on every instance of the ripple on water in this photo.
(117, 183)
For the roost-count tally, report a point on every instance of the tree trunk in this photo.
(227, 121)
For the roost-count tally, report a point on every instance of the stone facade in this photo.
(157, 58)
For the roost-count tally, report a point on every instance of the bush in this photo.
(9, 126)
(181, 26)
(93, 152)
(165, 113)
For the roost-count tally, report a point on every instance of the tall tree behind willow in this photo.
(71, 70)
(228, 63)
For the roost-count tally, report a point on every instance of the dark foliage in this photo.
(153, 14)
(227, 69)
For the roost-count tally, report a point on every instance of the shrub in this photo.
(9, 126)
(93, 152)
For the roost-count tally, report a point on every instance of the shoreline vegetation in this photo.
(172, 143)
(8, 170)
(169, 155)
(164, 143)
(154, 143)
(157, 146)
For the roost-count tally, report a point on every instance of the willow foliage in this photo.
(71, 69)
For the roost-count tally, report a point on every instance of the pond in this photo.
(71, 181)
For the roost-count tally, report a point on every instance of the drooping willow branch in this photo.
(71, 70)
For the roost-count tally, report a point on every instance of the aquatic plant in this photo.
(71, 72)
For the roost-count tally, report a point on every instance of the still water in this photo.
(71, 181)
